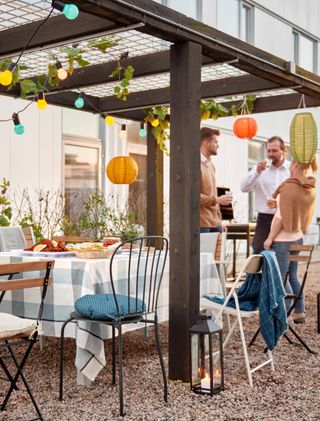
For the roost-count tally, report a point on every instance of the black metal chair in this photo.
(295, 257)
(15, 330)
(136, 301)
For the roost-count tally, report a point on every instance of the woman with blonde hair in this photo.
(295, 203)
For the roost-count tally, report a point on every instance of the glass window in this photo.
(246, 24)
(305, 51)
(187, 7)
(228, 17)
(81, 173)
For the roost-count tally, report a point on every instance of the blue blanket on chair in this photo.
(264, 291)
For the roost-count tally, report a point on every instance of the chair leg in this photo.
(318, 311)
(245, 351)
(122, 413)
(62, 357)
(113, 355)
(20, 373)
(165, 385)
(7, 373)
(254, 337)
(301, 341)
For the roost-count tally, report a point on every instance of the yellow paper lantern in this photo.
(122, 170)
(303, 138)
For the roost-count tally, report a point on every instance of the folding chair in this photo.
(12, 238)
(294, 257)
(253, 265)
(15, 330)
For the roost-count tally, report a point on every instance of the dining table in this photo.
(73, 278)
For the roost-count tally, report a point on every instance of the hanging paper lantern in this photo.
(245, 127)
(122, 170)
(303, 138)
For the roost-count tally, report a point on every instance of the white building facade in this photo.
(69, 149)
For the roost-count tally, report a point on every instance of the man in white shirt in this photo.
(264, 178)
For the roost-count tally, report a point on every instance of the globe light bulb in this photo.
(123, 132)
(19, 129)
(109, 120)
(41, 103)
(6, 76)
(155, 123)
(62, 74)
(142, 131)
(70, 11)
(79, 102)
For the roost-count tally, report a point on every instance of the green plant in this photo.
(159, 119)
(125, 76)
(5, 205)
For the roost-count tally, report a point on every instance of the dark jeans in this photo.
(211, 229)
(293, 284)
(262, 231)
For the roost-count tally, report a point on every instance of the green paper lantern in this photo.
(303, 138)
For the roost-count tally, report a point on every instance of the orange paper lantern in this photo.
(122, 170)
(245, 127)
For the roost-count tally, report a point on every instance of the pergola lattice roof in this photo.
(227, 63)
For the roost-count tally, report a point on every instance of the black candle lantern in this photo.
(206, 353)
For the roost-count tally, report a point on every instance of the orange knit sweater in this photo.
(209, 209)
(297, 203)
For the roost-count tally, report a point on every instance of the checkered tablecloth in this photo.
(73, 278)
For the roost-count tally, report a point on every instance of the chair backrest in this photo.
(144, 260)
(214, 242)
(303, 254)
(12, 238)
(29, 236)
(17, 269)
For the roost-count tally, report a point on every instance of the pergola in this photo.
(177, 61)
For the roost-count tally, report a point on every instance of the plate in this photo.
(53, 254)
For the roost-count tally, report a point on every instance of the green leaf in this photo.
(4, 222)
(81, 61)
(27, 87)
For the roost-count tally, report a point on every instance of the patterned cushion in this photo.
(103, 306)
(12, 325)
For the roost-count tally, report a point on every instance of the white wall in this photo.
(34, 159)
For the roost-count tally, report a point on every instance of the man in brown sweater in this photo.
(210, 217)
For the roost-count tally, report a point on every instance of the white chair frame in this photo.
(253, 264)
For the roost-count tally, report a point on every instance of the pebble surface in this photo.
(291, 393)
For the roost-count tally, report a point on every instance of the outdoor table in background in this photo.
(73, 278)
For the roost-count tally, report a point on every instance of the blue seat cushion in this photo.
(103, 306)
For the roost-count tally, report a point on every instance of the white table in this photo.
(73, 278)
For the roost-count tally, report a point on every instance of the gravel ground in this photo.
(290, 393)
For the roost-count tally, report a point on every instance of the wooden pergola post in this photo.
(184, 203)
(154, 186)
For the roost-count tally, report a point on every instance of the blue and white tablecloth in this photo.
(73, 278)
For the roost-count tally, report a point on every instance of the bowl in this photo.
(93, 254)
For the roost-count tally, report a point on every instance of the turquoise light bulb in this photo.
(143, 132)
(70, 11)
(79, 102)
(19, 129)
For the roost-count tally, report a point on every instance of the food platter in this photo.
(51, 254)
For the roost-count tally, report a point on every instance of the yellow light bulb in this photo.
(155, 123)
(62, 74)
(6, 78)
(42, 103)
(109, 120)
(122, 134)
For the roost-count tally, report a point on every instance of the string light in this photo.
(6, 76)
(79, 102)
(123, 132)
(62, 73)
(70, 11)
(42, 103)
(18, 127)
(109, 120)
(155, 122)
(142, 131)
